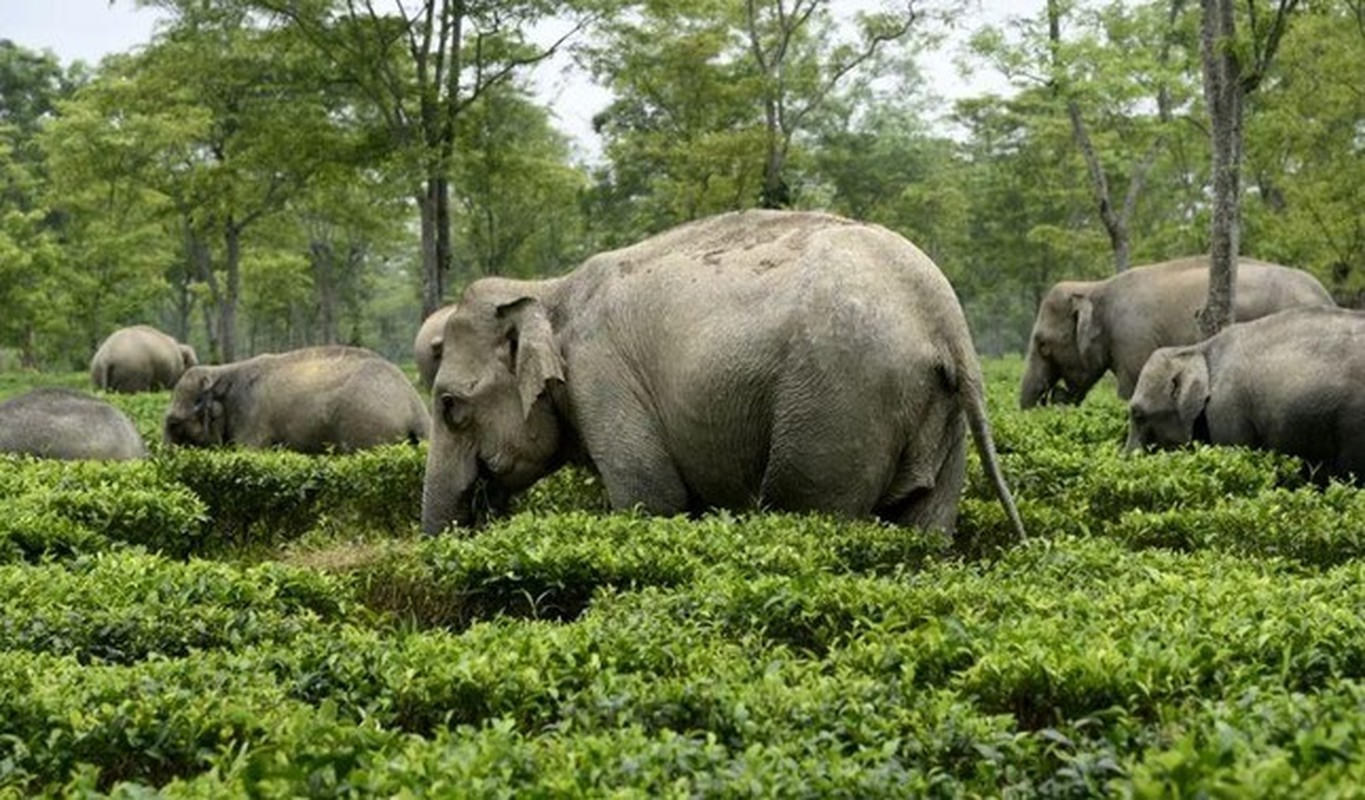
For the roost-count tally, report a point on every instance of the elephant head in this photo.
(494, 425)
(1167, 407)
(429, 344)
(196, 416)
(1068, 346)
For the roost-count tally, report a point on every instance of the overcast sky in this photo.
(90, 29)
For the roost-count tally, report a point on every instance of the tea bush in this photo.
(53, 508)
(1180, 623)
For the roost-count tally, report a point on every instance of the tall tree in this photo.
(714, 100)
(1233, 69)
(679, 135)
(247, 123)
(1119, 76)
(517, 195)
(1306, 157)
(418, 66)
(33, 292)
(799, 57)
(115, 240)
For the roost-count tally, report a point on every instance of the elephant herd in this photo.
(1289, 376)
(312, 400)
(760, 359)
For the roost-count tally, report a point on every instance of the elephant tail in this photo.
(974, 405)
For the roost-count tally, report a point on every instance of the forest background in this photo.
(266, 174)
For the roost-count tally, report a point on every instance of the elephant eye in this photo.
(456, 411)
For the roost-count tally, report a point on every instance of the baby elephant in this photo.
(1293, 382)
(310, 400)
(67, 424)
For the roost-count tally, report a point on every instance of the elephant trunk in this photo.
(1037, 382)
(449, 486)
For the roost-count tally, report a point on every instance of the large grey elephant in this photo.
(783, 360)
(139, 359)
(310, 400)
(67, 424)
(1085, 328)
(427, 346)
(1292, 382)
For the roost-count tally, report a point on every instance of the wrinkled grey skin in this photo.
(67, 424)
(139, 359)
(782, 360)
(311, 400)
(426, 348)
(1086, 328)
(1292, 382)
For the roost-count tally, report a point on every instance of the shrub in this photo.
(1322, 527)
(53, 501)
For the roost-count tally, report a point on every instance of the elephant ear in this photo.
(188, 356)
(1189, 389)
(1089, 335)
(537, 362)
(208, 401)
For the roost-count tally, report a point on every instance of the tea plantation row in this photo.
(233, 623)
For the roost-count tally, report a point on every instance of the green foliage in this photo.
(128, 607)
(548, 566)
(56, 508)
(262, 497)
(1303, 153)
(1180, 622)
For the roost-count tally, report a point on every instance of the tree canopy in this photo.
(264, 174)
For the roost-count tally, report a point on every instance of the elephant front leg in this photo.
(635, 467)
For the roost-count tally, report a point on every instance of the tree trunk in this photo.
(776, 193)
(444, 247)
(28, 350)
(325, 285)
(1223, 94)
(436, 244)
(202, 267)
(227, 312)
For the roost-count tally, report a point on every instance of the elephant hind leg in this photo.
(916, 499)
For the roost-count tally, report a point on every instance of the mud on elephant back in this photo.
(784, 360)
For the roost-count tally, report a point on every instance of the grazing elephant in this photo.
(1292, 382)
(310, 400)
(140, 359)
(1085, 328)
(426, 348)
(67, 424)
(784, 360)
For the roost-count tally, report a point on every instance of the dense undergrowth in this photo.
(229, 623)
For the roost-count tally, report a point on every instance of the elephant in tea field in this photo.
(426, 348)
(140, 359)
(67, 424)
(768, 359)
(1085, 328)
(310, 400)
(1292, 382)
